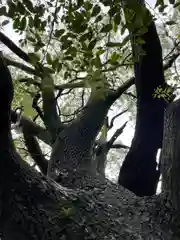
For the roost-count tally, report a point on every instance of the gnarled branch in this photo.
(34, 128)
(35, 150)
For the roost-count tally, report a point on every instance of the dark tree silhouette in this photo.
(139, 172)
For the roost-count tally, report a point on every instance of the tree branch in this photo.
(116, 134)
(14, 48)
(34, 128)
(35, 150)
(130, 94)
(120, 90)
(22, 67)
(119, 145)
(114, 118)
(51, 118)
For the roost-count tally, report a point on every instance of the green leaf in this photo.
(142, 30)
(49, 4)
(71, 35)
(88, 5)
(92, 44)
(37, 21)
(84, 37)
(140, 40)
(48, 70)
(5, 22)
(16, 23)
(66, 75)
(106, 28)
(114, 44)
(114, 57)
(84, 46)
(96, 10)
(64, 38)
(31, 22)
(12, 9)
(100, 51)
(80, 3)
(97, 62)
(29, 5)
(33, 57)
(59, 32)
(31, 39)
(98, 19)
(48, 59)
(71, 51)
(20, 8)
(3, 11)
(22, 25)
(176, 4)
(113, 10)
(66, 44)
(55, 63)
(38, 46)
(170, 22)
(159, 3)
(123, 29)
(68, 58)
(115, 27)
(107, 3)
(59, 67)
(117, 18)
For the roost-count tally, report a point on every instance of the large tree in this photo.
(69, 197)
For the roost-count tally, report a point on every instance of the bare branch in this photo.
(59, 87)
(13, 47)
(120, 90)
(116, 135)
(22, 67)
(35, 150)
(36, 107)
(171, 60)
(34, 128)
(130, 94)
(119, 145)
(114, 118)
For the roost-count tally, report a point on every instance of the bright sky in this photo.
(151, 2)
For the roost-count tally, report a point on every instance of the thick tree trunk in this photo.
(139, 170)
(170, 155)
(72, 152)
(33, 207)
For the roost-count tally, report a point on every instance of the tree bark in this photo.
(34, 207)
(139, 170)
(170, 154)
(72, 151)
